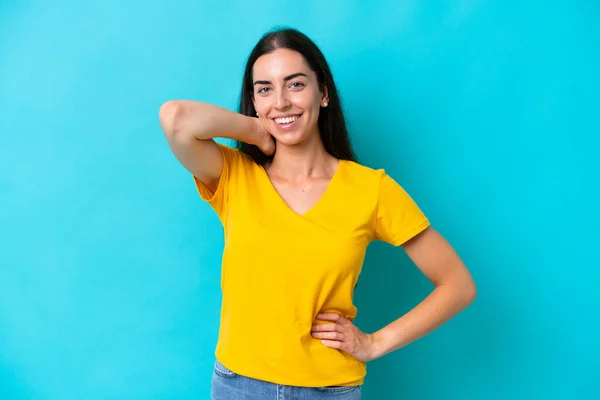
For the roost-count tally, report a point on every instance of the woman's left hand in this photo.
(344, 335)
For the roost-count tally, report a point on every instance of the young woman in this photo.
(298, 212)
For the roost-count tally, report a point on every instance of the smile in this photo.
(286, 120)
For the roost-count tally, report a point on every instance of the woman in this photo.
(298, 213)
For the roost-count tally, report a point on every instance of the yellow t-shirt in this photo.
(280, 269)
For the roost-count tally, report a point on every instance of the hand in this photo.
(263, 138)
(344, 335)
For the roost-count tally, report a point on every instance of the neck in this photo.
(303, 161)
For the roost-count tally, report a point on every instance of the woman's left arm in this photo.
(454, 290)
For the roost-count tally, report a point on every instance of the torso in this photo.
(289, 255)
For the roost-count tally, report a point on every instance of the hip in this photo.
(228, 385)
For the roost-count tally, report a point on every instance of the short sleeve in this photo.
(399, 218)
(219, 198)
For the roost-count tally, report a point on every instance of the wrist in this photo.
(257, 132)
(377, 345)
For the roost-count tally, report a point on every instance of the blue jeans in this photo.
(227, 385)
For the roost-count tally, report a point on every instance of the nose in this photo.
(281, 101)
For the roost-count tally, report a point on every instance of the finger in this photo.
(329, 335)
(268, 146)
(334, 344)
(331, 317)
(326, 328)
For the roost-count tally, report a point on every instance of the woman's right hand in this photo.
(263, 140)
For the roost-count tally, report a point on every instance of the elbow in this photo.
(469, 292)
(463, 288)
(170, 115)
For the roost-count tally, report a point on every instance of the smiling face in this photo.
(287, 95)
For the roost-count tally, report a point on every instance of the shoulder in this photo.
(229, 152)
(372, 180)
(363, 175)
(235, 157)
(240, 170)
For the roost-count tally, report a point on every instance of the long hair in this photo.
(332, 124)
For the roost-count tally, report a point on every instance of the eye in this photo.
(296, 85)
(263, 90)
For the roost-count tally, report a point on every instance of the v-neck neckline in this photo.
(320, 200)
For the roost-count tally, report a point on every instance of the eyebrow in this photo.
(287, 78)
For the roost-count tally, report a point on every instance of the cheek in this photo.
(306, 103)
(261, 104)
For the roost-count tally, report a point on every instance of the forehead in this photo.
(279, 64)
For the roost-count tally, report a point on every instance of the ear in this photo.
(325, 97)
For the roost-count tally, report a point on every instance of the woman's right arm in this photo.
(190, 127)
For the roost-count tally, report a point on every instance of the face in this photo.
(287, 96)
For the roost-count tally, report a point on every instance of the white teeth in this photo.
(286, 120)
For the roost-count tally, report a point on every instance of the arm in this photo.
(189, 127)
(454, 291)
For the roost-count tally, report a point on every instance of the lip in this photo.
(285, 127)
(285, 115)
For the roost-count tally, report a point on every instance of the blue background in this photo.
(486, 112)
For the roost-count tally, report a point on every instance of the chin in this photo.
(290, 138)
